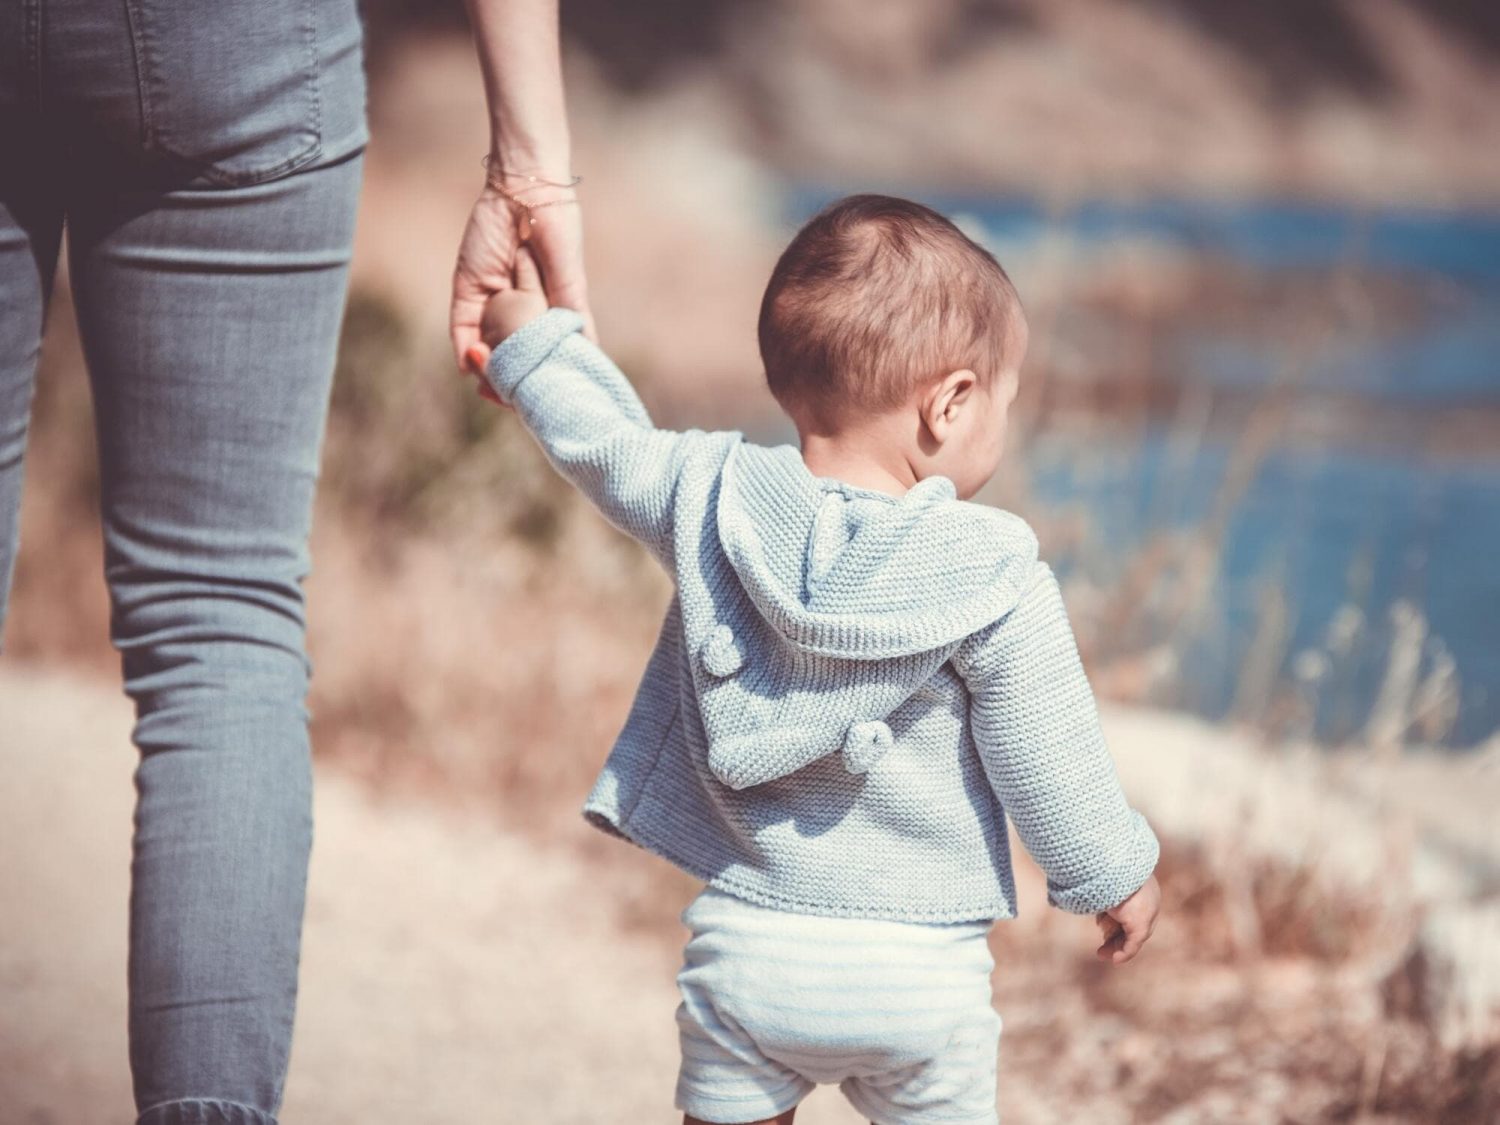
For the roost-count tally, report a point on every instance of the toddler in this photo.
(861, 676)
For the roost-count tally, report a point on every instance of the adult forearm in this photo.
(519, 56)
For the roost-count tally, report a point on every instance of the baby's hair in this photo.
(875, 297)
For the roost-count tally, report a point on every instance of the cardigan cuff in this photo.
(525, 349)
(1114, 885)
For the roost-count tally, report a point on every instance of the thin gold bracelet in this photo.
(526, 217)
(495, 175)
(494, 178)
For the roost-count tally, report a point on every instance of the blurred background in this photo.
(1259, 437)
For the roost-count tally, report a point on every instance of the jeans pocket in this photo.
(229, 89)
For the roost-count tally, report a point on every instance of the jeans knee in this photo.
(227, 636)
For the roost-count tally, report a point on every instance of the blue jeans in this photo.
(205, 158)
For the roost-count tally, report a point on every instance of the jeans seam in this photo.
(225, 1103)
(32, 47)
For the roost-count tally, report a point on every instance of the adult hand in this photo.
(487, 259)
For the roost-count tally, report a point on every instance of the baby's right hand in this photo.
(1127, 926)
(505, 312)
(510, 309)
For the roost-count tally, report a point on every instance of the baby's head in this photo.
(884, 323)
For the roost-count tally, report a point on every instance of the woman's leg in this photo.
(210, 319)
(30, 230)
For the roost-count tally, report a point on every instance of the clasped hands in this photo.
(500, 282)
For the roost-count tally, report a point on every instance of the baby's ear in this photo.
(942, 401)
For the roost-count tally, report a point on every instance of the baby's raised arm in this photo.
(1036, 729)
(583, 412)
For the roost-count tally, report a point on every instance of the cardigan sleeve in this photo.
(591, 424)
(1036, 729)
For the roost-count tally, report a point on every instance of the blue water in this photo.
(1270, 234)
(1274, 234)
(1330, 528)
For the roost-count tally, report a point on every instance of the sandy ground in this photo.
(451, 972)
(456, 972)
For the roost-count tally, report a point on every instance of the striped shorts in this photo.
(897, 1014)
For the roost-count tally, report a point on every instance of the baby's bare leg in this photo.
(784, 1119)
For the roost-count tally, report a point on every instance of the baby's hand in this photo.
(507, 312)
(1127, 926)
(511, 309)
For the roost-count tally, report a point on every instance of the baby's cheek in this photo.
(1002, 425)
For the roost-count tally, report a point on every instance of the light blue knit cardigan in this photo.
(850, 691)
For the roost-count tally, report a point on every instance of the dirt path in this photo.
(450, 972)
(454, 972)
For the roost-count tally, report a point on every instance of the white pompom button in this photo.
(721, 653)
(865, 744)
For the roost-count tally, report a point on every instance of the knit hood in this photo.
(840, 588)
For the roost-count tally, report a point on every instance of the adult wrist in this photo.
(550, 162)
